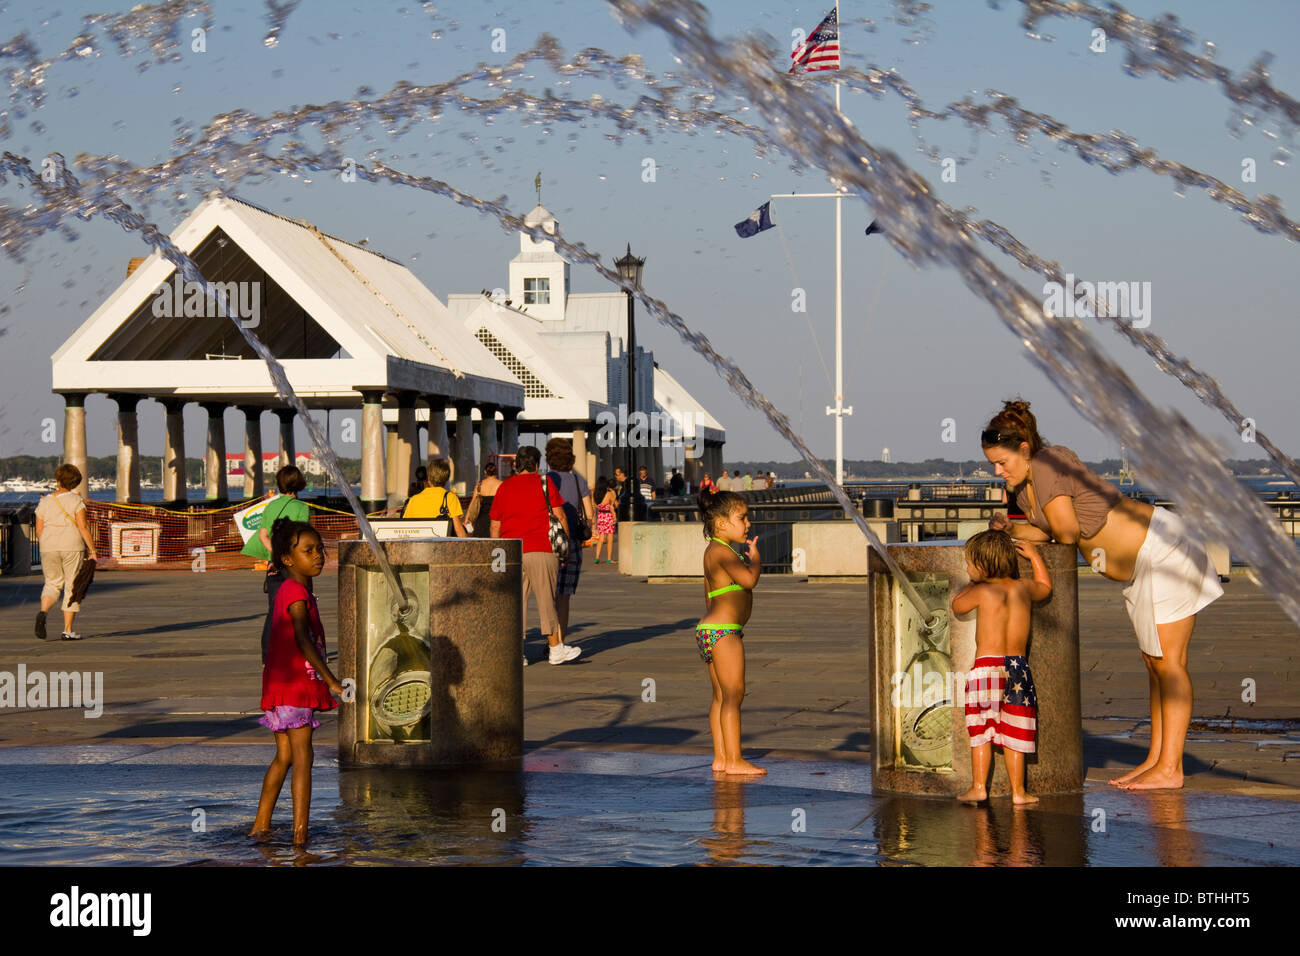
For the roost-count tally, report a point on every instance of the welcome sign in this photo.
(249, 520)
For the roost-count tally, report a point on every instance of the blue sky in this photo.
(919, 347)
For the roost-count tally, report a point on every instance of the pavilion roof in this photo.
(339, 317)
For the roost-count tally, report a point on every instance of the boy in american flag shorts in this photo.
(1001, 707)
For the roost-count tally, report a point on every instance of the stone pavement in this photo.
(179, 654)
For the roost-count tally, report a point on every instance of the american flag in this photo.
(821, 51)
(1019, 718)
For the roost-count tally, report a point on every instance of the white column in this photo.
(487, 438)
(510, 431)
(214, 461)
(372, 449)
(253, 481)
(462, 477)
(174, 453)
(437, 445)
(580, 463)
(128, 448)
(74, 437)
(288, 454)
(404, 462)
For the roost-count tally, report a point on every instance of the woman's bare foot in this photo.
(719, 764)
(1137, 771)
(744, 768)
(1023, 799)
(976, 794)
(1156, 779)
(260, 835)
(299, 836)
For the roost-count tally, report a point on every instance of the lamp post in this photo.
(629, 269)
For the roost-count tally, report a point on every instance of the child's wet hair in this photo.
(994, 553)
(284, 538)
(717, 505)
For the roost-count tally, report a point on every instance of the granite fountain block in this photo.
(444, 687)
(918, 731)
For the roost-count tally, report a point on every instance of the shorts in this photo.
(1173, 579)
(706, 635)
(1018, 723)
(284, 717)
(566, 582)
(985, 685)
(60, 569)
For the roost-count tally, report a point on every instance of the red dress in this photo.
(288, 679)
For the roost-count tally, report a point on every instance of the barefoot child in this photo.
(296, 682)
(1001, 707)
(728, 579)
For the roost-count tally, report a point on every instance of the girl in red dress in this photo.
(296, 681)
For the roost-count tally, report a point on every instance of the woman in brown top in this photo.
(1168, 575)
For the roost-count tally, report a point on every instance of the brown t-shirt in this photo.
(1058, 471)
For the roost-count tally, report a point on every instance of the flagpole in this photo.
(839, 411)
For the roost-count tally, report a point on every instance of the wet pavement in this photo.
(118, 804)
(617, 764)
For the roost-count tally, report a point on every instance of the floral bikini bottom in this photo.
(706, 635)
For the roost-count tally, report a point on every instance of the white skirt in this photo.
(1173, 579)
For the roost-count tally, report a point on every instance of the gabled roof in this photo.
(561, 379)
(393, 330)
(676, 401)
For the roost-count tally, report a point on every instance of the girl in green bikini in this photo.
(728, 580)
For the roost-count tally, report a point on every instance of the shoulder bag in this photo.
(559, 539)
(580, 526)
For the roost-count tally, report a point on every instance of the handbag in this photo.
(442, 523)
(559, 538)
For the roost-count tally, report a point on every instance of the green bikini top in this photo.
(726, 587)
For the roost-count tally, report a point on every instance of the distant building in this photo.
(884, 456)
(308, 464)
(569, 352)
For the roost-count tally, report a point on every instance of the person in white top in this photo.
(62, 532)
(724, 481)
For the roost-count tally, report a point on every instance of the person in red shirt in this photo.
(296, 682)
(521, 509)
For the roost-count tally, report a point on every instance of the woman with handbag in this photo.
(435, 501)
(62, 531)
(581, 516)
(525, 507)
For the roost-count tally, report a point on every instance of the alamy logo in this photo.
(75, 908)
(56, 689)
(179, 299)
(639, 430)
(1122, 300)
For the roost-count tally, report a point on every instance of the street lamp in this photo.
(629, 269)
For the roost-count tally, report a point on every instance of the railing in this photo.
(11, 519)
(772, 515)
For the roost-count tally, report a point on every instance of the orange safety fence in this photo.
(150, 538)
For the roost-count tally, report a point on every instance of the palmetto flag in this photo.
(759, 219)
(821, 51)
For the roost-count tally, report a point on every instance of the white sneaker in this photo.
(525, 660)
(561, 653)
(71, 636)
